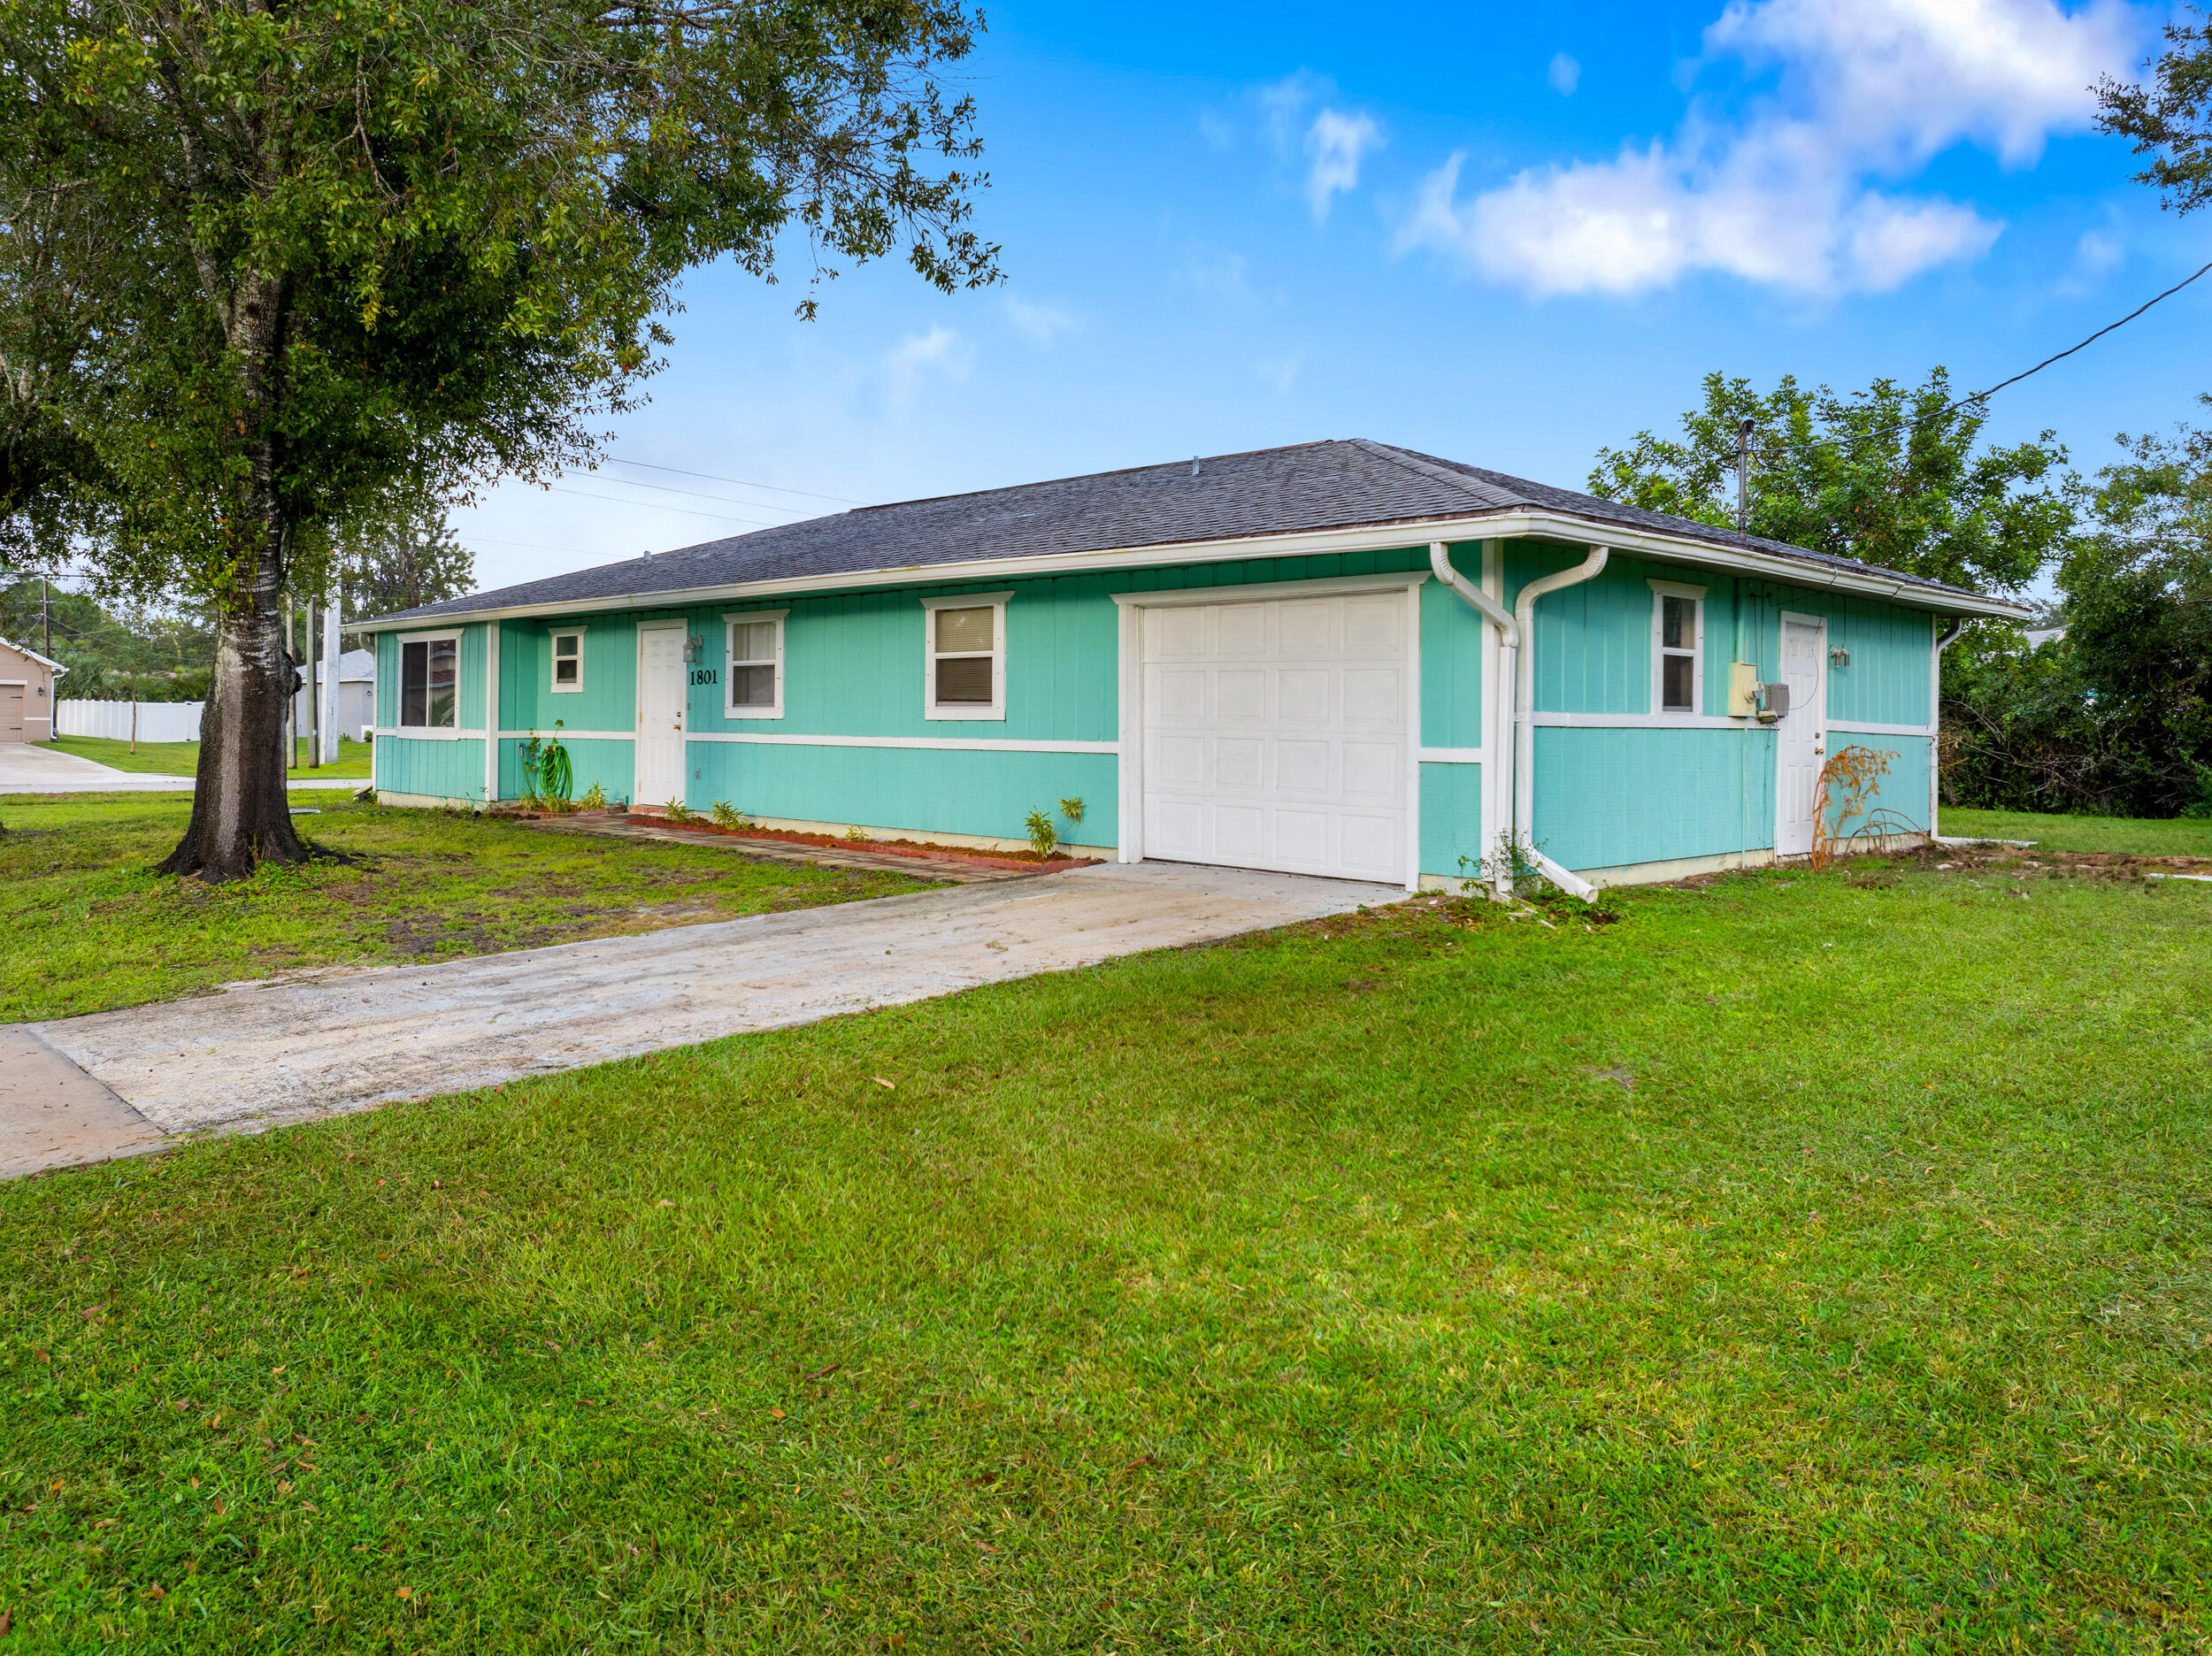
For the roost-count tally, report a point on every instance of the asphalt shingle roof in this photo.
(1334, 484)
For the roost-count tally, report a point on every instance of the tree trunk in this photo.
(240, 814)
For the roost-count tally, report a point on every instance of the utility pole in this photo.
(1743, 475)
(45, 617)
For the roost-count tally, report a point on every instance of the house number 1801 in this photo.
(704, 675)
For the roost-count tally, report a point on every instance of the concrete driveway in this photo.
(332, 1042)
(35, 768)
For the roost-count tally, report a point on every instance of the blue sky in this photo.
(1507, 235)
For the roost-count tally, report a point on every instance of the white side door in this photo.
(1801, 736)
(660, 715)
(1277, 735)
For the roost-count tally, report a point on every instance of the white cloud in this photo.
(1564, 74)
(1331, 144)
(2097, 254)
(906, 364)
(1039, 324)
(1278, 373)
(1335, 141)
(1789, 192)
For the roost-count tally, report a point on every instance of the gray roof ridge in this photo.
(1489, 495)
(1078, 477)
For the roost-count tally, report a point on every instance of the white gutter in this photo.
(1520, 525)
(1516, 666)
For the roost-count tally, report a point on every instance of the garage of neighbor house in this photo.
(27, 694)
(1336, 658)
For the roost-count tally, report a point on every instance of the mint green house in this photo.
(1340, 658)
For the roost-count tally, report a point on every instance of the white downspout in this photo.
(1525, 719)
(1935, 715)
(1518, 664)
(1508, 653)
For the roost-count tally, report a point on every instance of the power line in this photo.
(1983, 396)
(616, 500)
(534, 546)
(740, 482)
(2092, 339)
(669, 488)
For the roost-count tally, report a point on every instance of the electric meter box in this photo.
(1743, 689)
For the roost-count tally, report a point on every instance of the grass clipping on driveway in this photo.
(91, 925)
(1803, 1263)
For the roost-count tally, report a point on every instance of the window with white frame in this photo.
(755, 673)
(965, 656)
(1678, 629)
(568, 660)
(429, 681)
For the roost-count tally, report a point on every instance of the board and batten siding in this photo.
(1614, 797)
(449, 765)
(1607, 796)
(853, 668)
(607, 703)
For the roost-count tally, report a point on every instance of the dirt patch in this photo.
(2017, 861)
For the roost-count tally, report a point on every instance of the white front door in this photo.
(1801, 736)
(660, 715)
(1277, 735)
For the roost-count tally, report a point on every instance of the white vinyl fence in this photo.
(158, 721)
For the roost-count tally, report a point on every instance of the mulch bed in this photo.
(922, 849)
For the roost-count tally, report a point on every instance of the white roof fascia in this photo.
(1523, 524)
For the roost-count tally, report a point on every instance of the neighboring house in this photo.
(2040, 636)
(1270, 660)
(357, 695)
(27, 694)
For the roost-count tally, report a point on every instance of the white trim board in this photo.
(1448, 755)
(1394, 537)
(1264, 592)
(567, 735)
(426, 733)
(1639, 720)
(1850, 729)
(955, 744)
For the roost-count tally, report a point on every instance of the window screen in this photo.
(965, 630)
(428, 671)
(963, 680)
(752, 664)
(1678, 654)
(965, 667)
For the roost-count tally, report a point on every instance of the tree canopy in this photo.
(2169, 120)
(265, 260)
(1887, 475)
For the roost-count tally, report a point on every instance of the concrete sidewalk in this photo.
(35, 768)
(333, 1042)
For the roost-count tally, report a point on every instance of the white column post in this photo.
(491, 712)
(330, 681)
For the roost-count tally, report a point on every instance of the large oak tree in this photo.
(263, 261)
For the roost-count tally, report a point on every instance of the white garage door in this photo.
(1275, 735)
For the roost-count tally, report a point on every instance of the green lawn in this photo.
(1805, 1263)
(183, 758)
(2179, 836)
(88, 924)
